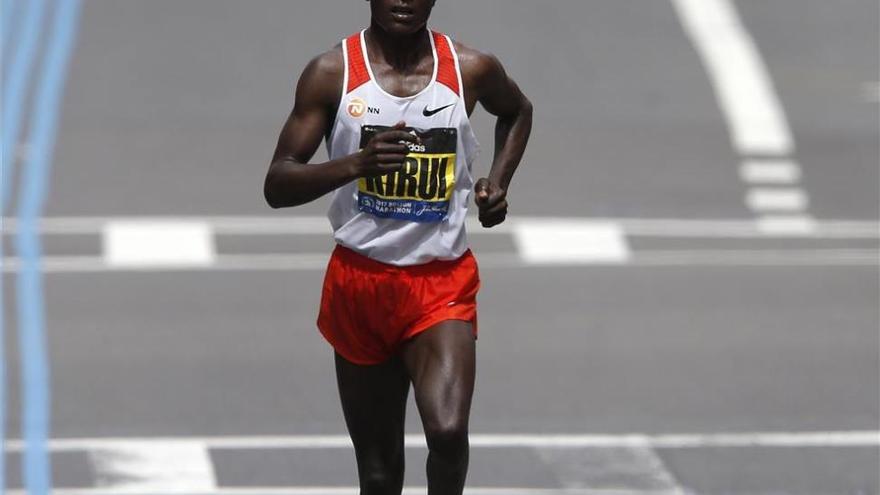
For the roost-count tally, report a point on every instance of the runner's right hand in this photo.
(386, 152)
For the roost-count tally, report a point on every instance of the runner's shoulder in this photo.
(323, 75)
(477, 67)
(329, 63)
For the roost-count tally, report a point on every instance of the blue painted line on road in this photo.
(15, 87)
(15, 76)
(6, 15)
(2, 375)
(2, 380)
(35, 385)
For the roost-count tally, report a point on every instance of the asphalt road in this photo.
(710, 326)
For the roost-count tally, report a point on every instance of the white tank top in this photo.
(416, 215)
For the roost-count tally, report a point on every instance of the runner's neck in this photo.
(403, 53)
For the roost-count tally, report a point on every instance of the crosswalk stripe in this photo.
(777, 199)
(572, 242)
(156, 244)
(770, 171)
(137, 467)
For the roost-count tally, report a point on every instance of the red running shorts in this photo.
(369, 309)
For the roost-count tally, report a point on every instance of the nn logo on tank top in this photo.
(357, 107)
(421, 191)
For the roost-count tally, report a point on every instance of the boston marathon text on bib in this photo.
(416, 215)
(421, 191)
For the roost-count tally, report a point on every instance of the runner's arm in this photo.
(291, 180)
(502, 97)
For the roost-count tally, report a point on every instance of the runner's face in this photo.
(401, 17)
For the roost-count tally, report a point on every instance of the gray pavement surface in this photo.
(173, 107)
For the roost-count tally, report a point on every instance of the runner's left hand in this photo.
(491, 201)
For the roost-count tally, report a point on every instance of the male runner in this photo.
(399, 298)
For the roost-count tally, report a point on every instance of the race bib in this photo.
(420, 192)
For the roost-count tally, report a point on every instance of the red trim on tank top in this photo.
(358, 75)
(446, 70)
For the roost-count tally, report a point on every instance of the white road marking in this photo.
(153, 467)
(770, 172)
(792, 225)
(777, 199)
(744, 229)
(182, 466)
(318, 261)
(203, 257)
(335, 490)
(761, 258)
(804, 439)
(637, 469)
(742, 84)
(154, 244)
(570, 242)
(316, 225)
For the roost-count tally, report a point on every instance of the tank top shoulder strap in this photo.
(356, 65)
(447, 63)
(448, 72)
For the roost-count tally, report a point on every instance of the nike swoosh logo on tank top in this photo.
(431, 113)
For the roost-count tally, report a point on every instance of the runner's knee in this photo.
(448, 439)
(381, 476)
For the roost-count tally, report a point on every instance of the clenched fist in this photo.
(491, 201)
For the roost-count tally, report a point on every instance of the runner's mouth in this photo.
(402, 13)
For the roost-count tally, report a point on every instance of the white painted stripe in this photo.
(635, 468)
(791, 440)
(793, 225)
(760, 258)
(862, 438)
(138, 467)
(222, 225)
(253, 225)
(744, 229)
(770, 172)
(742, 84)
(777, 199)
(257, 226)
(309, 225)
(152, 244)
(318, 261)
(570, 242)
(336, 490)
